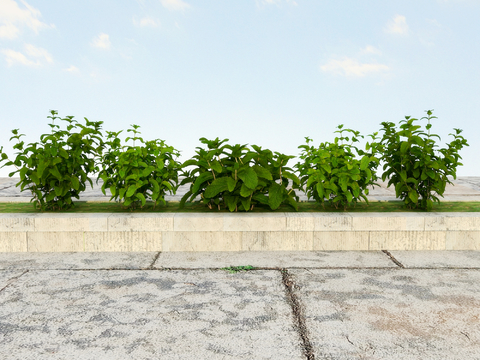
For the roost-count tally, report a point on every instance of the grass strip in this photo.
(171, 207)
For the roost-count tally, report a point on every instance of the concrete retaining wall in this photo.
(239, 232)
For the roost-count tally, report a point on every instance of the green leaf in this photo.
(349, 196)
(412, 194)
(275, 195)
(63, 153)
(320, 190)
(364, 163)
(113, 190)
(246, 203)
(54, 171)
(403, 175)
(40, 168)
(75, 182)
(216, 166)
(184, 199)
(231, 202)
(141, 197)
(131, 190)
(249, 177)
(58, 190)
(156, 187)
(245, 191)
(260, 198)
(200, 180)
(262, 172)
(217, 186)
(291, 201)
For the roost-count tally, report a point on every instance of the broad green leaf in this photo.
(54, 171)
(260, 198)
(156, 187)
(249, 177)
(141, 197)
(245, 191)
(131, 190)
(40, 168)
(217, 186)
(349, 196)
(23, 171)
(113, 190)
(58, 190)
(291, 201)
(75, 182)
(184, 199)
(291, 176)
(200, 180)
(216, 166)
(63, 153)
(246, 203)
(231, 183)
(403, 175)
(364, 163)
(231, 202)
(412, 194)
(262, 172)
(275, 196)
(320, 190)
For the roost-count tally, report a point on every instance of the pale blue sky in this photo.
(265, 72)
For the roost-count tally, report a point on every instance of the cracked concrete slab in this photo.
(8, 277)
(438, 259)
(274, 259)
(200, 314)
(77, 260)
(384, 314)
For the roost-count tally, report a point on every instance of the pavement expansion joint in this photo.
(298, 314)
(398, 263)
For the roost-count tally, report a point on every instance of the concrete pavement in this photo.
(293, 305)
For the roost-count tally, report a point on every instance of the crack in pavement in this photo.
(398, 263)
(298, 314)
(154, 260)
(12, 280)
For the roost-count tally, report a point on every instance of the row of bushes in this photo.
(237, 177)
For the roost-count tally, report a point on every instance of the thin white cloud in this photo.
(102, 41)
(13, 17)
(146, 22)
(369, 49)
(38, 53)
(174, 5)
(72, 69)
(398, 25)
(34, 56)
(352, 68)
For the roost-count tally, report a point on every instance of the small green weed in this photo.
(236, 269)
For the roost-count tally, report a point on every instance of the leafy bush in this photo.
(413, 164)
(333, 173)
(137, 173)
(56, 169)
(239, 178)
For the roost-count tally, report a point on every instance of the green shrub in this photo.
(56, 169)
(413, 164)
(332, 172)
(135, 174)
(238, 177)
